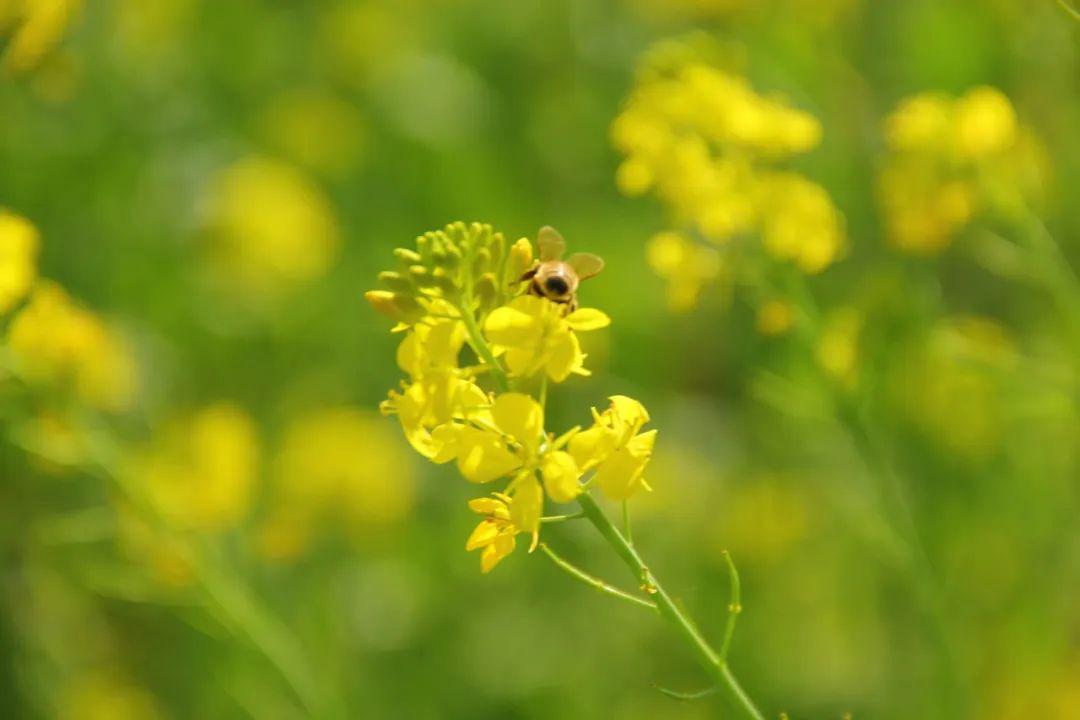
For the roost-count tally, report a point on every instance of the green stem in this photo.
(594, 582)
(479, 344)
(734, 607)
(267, 634)
(727, 686)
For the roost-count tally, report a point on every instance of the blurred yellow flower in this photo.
(39, 27)
(318, 477)
(102, 694)
(774, 318)
(838, 345)
(315, 129)
(954, 385)
(53, 341)
(272, 227)
(616, 448)
(800, 222)
(534, 335)
(19, 243)
(168, 559)
(201, 471)
(709, 146)
(951, 159)
(687, 266)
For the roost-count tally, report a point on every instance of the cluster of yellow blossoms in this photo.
(710, 147)
(51, 342)
(460, 288)
(950, 159)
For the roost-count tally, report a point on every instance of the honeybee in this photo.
(557, 279)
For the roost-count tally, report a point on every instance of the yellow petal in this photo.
(587, 319)
(482, 535)
(528, 505)
(619, 476)
(629, 411)
(496, 551)
(561, 475)
(482, 456)
(521, 417)
(565, 355)
(515, 325)
(592, 446)
(488, 506)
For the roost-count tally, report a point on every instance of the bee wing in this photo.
(551, 244)
(586, 265)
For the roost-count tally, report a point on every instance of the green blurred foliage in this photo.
(381, 120)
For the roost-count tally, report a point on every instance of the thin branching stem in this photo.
(728, 687)
(734, 606)
(595, 582)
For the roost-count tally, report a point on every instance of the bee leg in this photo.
(529, 275)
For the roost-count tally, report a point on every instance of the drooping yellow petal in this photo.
(502, 546)
(528, 505)
(561, 475)
(482, 535)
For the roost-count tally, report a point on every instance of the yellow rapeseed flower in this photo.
(318, 477)
(687, 266)
(19, 242)
(951, 159)
(709, 147)
(272, 227)
(200, 472)
(56, 342)
(616, 448)
(495, 535)
(39, 27)
(535, 336)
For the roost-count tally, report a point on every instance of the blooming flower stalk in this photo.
(479, 353)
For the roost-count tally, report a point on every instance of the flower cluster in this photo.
(710, 147)
(52, 343)
(950, 159)
(462, 288)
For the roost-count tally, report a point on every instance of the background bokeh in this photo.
(219, 182)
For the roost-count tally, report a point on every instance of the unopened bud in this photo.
(521, 259)
(396, 282)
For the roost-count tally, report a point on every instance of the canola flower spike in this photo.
(502, 437)
(952, 159)
(447, 415)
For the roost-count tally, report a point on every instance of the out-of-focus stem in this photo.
(727, 686)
